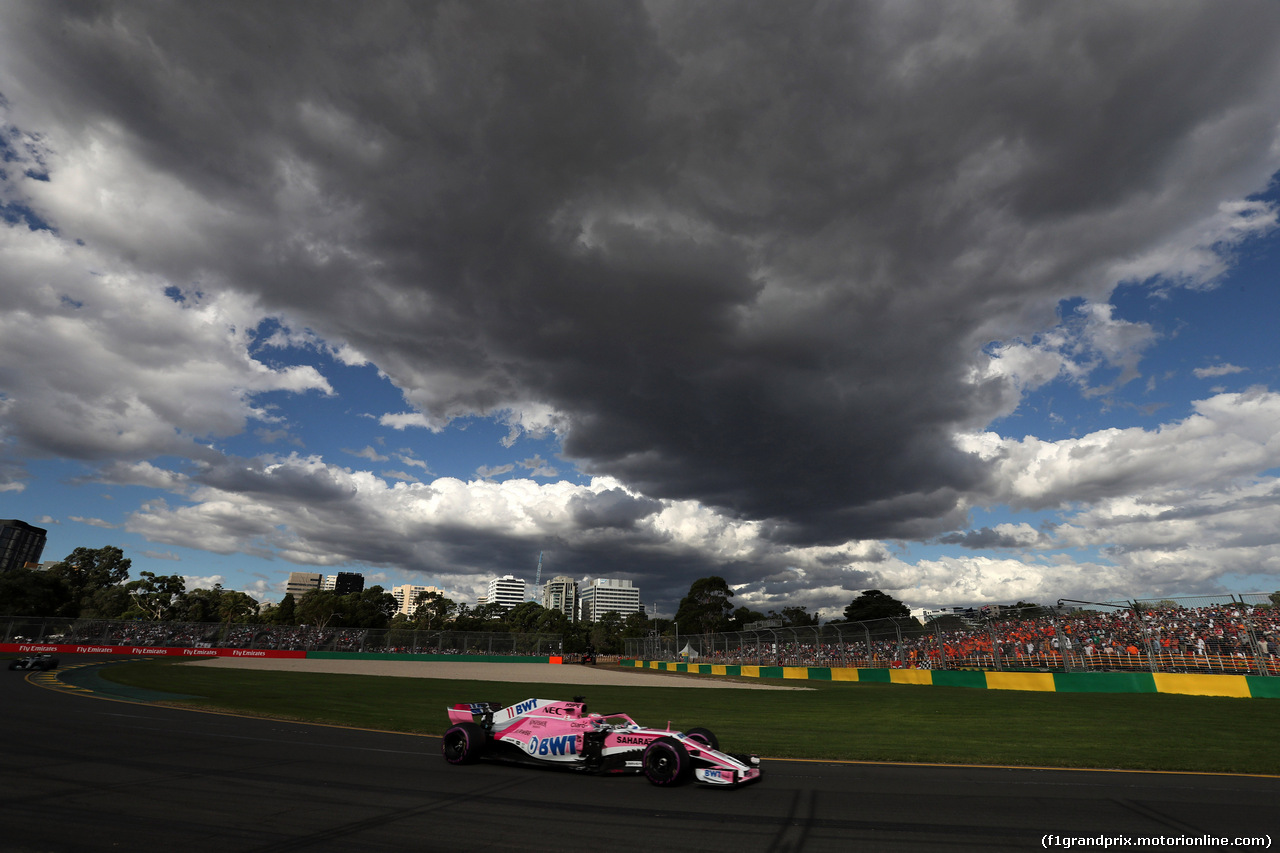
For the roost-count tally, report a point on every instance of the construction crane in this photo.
(537, 578)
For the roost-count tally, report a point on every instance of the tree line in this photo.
(93, 583)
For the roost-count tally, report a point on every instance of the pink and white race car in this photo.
(547, 732)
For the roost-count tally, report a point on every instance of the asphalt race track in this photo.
(79, 773)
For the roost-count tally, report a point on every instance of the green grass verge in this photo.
(870, 722)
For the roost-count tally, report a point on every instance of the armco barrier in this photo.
(159, 651)
(153, 651)
(393, 656)
(1187, 684)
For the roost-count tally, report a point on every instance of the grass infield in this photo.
(852, 721)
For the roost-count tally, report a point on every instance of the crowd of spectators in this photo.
(1232, 638)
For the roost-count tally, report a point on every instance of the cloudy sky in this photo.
(965, 302)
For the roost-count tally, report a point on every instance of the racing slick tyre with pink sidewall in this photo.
(704, 736)
(666, 762)
(463, 743)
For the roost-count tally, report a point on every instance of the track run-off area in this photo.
(88, 769)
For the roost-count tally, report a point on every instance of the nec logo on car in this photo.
(560, 745)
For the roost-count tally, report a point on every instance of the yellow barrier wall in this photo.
(1202, 685)
(911, 676)
(1042, 681)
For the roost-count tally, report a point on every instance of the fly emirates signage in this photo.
(89, 649)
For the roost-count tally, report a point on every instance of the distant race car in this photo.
(552, 733)
(588, 657)
(41, 662)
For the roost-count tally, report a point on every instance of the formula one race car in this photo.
(550, 733)
(40, 662)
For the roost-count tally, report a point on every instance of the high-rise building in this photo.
(344, 583)
(602, 595)
(507, 590)
(300, 583)
(20, 544)
(561, 593)
(406, 596)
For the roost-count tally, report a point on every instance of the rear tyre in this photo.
(705, 736)
(13, 664)
(463, 743)
(666, 762)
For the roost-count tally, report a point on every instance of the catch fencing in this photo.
(218, 635)
(1231, 634)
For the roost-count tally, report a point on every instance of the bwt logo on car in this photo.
(524, 707)
(559, 745)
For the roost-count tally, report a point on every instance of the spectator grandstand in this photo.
(1238, 636)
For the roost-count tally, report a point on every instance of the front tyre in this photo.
(666, 762)
(705, 737)
(463, 743)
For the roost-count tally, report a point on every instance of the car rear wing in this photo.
(474, 712)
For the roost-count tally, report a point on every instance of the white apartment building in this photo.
(507, 590)
(406, 596)
(561, 593)
(601, 595)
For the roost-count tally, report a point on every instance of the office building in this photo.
(344, 583)
(602, 595)
(507, 590)
(300, 583)
(561, 593)
(20, 544)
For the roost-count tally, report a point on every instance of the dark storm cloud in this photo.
(984, 538)
(277, 482)
(750, 252)
(612, 508)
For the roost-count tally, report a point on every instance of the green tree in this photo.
(874, 604)
(635, 625)
(433, 610)
(32, 592)
(317, 607)
(797, 617)
(368, 609)
(706, 608)
(523, 618)
(236, 606)
(87, 570)
(108, 602)
(216, 605)
(742, 617)
(606, 633)
(285, 613)
(155, 597)
(552, 621)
